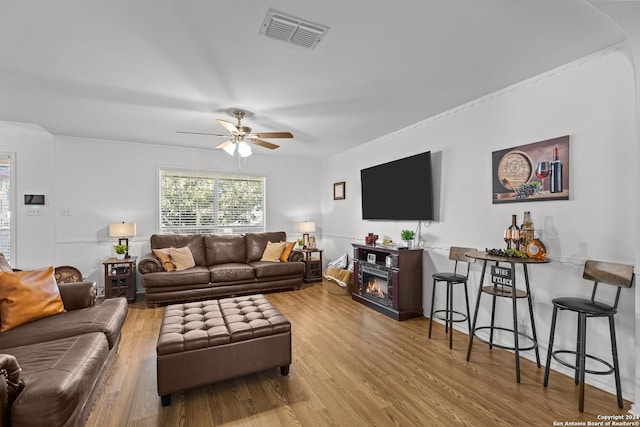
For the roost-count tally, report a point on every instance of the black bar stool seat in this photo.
(456, 254)
(608, 273)
(582, 305)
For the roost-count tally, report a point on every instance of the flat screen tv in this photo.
(398, 190)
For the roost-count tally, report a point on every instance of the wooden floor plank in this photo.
(352, 366)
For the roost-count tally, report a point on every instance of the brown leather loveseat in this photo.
(52, 369)
(225, 265)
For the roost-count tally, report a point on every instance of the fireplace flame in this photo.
(374, 289)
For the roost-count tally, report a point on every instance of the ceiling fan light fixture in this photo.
(244, 149)
(230, 148)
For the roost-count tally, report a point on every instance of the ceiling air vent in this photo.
(280, 26)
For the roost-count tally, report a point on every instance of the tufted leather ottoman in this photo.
(205, 342)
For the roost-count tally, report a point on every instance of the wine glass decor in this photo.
(543, 169)
(507, 237)
(515, 238)
(512, 238)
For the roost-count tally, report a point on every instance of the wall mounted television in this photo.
(398, 190)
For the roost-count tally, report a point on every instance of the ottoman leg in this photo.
(166, 400)
(284, 370)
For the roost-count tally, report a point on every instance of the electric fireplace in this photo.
(388, 279)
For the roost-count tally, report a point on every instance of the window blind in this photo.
(5, 206)
(208, 202)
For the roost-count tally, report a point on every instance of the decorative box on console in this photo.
(389, 280)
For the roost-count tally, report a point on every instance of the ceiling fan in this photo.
(239, 135)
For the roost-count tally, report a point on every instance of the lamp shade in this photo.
(230, 148)
(122, 229)
(243, 149)
(307, 227)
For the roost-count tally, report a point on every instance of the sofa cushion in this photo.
(273, 251)
(233, 272)
(288, 248)
(26, 296)
(225, 248)
(107, 318)
(274, 269)
(164, 257)
(182, 258)
(197, 275)
(257, 242)
(4, 264)
(58, 376)
(194, 241)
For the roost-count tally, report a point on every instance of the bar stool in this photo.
(456, 254)
(599, 272)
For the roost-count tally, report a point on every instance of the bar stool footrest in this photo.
(588, 356)
(462, 319)
(533, 345)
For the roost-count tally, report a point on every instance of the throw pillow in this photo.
(28, 295)
(273, 251)
(165, 258)
(4, 264)
(182, 258)
(288, 248)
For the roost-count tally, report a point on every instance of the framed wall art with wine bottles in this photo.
(532, 172)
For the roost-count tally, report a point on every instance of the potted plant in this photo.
(407, 236)
(301, 243)
(121, 251)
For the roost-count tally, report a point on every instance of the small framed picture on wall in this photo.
(339, 191)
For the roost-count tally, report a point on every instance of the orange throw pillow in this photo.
(165, 259)
(28, 295)
(288, 248)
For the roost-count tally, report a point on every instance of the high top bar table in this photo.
(506, 290)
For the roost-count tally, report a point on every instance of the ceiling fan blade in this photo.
(224, 144)
(229, 126)
(274, 135)
(264, 144)
(201, 133)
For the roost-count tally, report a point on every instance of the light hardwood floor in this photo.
(351, 367)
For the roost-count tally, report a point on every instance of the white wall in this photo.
(592, 100)
(103, 182)
(32, 150)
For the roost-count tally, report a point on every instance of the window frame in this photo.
(216, 174)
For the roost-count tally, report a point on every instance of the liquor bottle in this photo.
(514, 243)
(556, 173)
(526, 230)
(536, 248)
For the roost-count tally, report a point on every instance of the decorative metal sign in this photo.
(501, 275)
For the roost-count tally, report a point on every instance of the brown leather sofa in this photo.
(52, 369)
(226, 265)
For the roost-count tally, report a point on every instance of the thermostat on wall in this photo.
(34, 199)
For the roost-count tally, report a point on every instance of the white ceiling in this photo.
(140, 70)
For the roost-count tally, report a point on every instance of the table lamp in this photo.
(306, 228)
(123, 231)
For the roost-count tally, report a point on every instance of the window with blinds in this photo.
(207, 202)
(5, 206)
